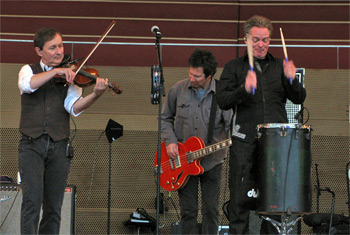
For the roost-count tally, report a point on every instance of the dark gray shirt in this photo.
(184, 115)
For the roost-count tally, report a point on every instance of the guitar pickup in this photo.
(175, 163)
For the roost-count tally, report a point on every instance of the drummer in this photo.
(256, 97)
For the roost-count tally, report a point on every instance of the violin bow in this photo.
(285, 51)
(97, 44)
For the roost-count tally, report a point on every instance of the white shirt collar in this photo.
(44, 66)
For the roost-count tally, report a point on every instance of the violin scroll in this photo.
(85, 78)
(116, 89)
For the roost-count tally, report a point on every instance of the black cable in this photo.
(286, 173)
(318, 187)
(173, 203)
(333, 203)
(308, 115)
(75, 125)
(9, 211)
(332, 211)
(92, 176)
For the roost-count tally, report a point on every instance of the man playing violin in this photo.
(44, 149)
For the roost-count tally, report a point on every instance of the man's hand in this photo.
(101, 86)
(67, 73)
(172, 150)
(250, 81)
(84, 103)
(289, 69)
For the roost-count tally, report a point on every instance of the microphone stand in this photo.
(319, 190)
(109, 190)
(161, 93)
(301, 118)
(113, 131)
(348, 186)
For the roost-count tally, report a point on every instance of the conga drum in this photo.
(284, 169)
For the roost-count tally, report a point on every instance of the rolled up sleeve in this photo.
(73, 95)
(24, 77)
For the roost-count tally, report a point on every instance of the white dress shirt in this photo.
(25, 75)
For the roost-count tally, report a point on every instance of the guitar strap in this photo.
(212, 117)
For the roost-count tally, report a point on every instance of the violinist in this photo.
(45, 152)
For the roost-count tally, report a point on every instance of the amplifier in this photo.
(10, 214)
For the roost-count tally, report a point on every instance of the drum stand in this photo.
(287, 224)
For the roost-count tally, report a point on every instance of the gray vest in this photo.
(43, 111)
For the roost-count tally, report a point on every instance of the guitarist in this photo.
(186, 113)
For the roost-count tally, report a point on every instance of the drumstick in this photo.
(250, 57)
(285, 52)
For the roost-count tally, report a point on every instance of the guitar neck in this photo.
(209, 149)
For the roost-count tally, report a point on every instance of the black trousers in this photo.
(242, 159)
(188, 197)
(44, 170)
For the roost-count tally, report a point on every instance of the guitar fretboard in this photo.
(191, 156)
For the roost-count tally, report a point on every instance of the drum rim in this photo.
(282, 125)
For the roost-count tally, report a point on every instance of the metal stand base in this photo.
(287, 224)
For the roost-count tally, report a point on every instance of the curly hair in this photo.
(257, 21)
(205, 59)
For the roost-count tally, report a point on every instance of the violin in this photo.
(85, 76)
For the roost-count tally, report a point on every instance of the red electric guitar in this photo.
(174, 173)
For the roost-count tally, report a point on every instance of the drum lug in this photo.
(259, 134)
(283, 131)
(296, 133)
(308, 136)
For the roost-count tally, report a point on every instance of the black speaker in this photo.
(10, 214)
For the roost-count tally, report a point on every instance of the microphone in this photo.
(155, 30)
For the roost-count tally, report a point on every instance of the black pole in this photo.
(348, 186)
(158, 161)
(113, 131)
(161, 90)
(109, 190)
(238, 27)
(301, 121)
